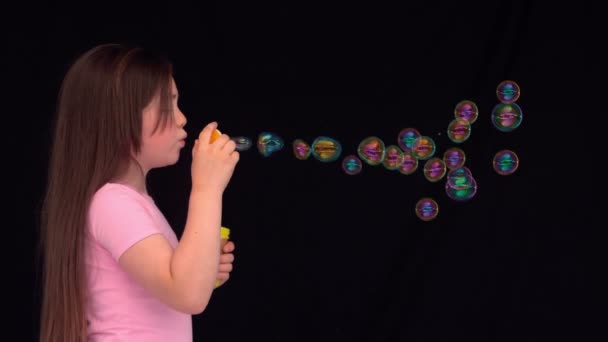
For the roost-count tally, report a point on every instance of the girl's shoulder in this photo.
(118, 190)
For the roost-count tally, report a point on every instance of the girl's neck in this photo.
(134, 177)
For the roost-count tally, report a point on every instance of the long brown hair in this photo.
(97, 127)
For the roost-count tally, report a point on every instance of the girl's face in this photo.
(162, 148)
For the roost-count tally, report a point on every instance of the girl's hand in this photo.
(212, 163)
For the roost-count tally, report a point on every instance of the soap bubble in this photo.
(507, 91)
(372, 150)
(352, 165)
(454, 157)
(460, 184)
(409, 163)
(427, 209)
(393, 158)
(466, 110)
(423, 147)
(406, 138)
(434, 169)
(459, 130)
(506, 117)
(301, 149)
(505, 162)
(242, 143)
(269, 143)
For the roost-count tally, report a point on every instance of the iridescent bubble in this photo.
(423, 147)
(409, 163)
(242, 143)
(507, 91)
(434, 169)
(507, 116)
(466, 110)
(372, 150)
(464, 192)
(406, 138)
(427, 209)
(459, 130)
(301, 149)
(454, 157)
(393, 158)
(460, 178)
(352, 165)
(269, 143)
(326, 149)
(505, 162)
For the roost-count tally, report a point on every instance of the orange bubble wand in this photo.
(216, 134)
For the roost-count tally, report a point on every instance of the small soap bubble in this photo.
(434, 169)
(269, 143)
(505, 162)
(507, 91)
(454, 157)
(406, 138)
(326, 149)
(393, 158)
(409, 163)
(466, 110)
(460, 178)
(427, 209)
(352, 165)
(459, 130)
(464, 192)
(242, 143)
(423, 147)
(372, 150)
(506, 116)
(301, 149)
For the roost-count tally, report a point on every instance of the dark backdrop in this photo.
(323, 256)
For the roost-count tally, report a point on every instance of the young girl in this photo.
(114, 269)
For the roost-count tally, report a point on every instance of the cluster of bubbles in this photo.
(506, 117)
(411, 149)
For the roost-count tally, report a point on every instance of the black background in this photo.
(323, 256)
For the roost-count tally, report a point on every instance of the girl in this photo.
(114, 269)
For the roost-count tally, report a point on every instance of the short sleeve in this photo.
(119, 218)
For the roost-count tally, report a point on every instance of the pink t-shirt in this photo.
(119, 309)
